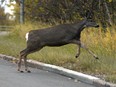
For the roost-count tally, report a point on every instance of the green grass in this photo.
(100, 43)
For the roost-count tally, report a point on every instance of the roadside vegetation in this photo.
(102, 43)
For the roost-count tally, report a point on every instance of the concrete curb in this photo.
(66, 72)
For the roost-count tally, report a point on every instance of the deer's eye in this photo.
(90, 20)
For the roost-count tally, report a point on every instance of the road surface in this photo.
(9, 77)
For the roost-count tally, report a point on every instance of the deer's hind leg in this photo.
(23, 54)
(78, 51)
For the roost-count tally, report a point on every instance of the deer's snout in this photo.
(97, 26)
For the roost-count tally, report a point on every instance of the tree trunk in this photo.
(108, 13)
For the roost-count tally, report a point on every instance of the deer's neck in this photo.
(79, 26)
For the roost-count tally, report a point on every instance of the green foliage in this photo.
(2, 16)
(62, 11)
(109, 0)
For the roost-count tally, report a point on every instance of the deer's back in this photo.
(59, 35)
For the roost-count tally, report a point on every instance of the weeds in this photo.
(101, 43)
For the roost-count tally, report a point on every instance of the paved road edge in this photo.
(66, 72)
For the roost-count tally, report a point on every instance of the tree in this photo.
(2, 16)
(63, 11)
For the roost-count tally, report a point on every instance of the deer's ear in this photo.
(88, 14)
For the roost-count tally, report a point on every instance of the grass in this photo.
(102, 43)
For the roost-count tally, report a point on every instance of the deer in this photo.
(56, 36)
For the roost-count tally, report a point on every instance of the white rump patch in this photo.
(26, 36)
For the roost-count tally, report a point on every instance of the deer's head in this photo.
(89, 20)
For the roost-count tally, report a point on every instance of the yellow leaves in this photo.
(111, 40)
(100, 39)
(109, 0)
(108, 41)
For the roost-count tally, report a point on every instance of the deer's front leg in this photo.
(26, 67)
(94, 55)
(78, 51)
(19, 64)
(78, 43)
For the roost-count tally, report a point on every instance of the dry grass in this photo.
(102, 43)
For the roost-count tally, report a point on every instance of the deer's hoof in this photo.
(21, 71)
(28, 71)
(96, 58)
(76, 56)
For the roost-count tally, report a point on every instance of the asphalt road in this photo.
(9, 77)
